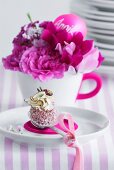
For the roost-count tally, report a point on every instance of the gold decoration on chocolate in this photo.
(43, 99)
(40, 103)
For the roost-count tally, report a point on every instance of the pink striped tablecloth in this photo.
(98, 154)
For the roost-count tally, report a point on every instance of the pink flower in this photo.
(90, 61)
(72, 53)
(100, 59)
(80, 54)
(41, 65)
(70, 48)
(12, 61)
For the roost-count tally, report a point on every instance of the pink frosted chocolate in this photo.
(42, 118)
(42, 112)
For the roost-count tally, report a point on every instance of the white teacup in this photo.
(66, 89)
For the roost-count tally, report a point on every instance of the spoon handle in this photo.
(62, 133)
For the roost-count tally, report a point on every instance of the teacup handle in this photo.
(98, 80)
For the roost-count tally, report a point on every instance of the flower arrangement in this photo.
(45, 51)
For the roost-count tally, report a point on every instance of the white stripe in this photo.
(111, 90)
(95, 155)
(101, 102)
(6, 90)
(16, 156)
(19, 98)
(79, 104)
(93, 143)
(48, 158)
(63, 158)
(2, 160)
(32, 157)
(87, 104)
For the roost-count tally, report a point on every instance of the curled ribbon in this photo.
(70, 139)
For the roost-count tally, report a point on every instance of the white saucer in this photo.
(91, 125)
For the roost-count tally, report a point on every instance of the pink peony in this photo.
(41, 65)
(90, 61)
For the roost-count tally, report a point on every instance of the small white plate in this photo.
(108, 47)
(91, 125)
(97, 17)
(99, 24)
(101, 4)
(81, 7)
(100, 31)
(102, 37)
(94, 23)
(108, 2)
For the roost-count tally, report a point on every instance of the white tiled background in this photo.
(13, 16)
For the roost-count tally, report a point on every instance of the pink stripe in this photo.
(86, 148)
(87, 152)
(71, 158)
(24, 156)
(40, 159)
(101, 141)
(2, 75)
(87, 157)
(8, 144)
(55, 159)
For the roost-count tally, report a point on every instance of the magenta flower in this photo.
(53, 36)
(100, 59)
(12, 61)
(79, 53)
(72, 53)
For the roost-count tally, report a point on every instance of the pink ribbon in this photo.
(70, 139)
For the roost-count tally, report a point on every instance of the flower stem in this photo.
(76, 70)
(29, 17)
